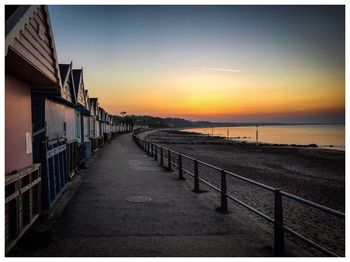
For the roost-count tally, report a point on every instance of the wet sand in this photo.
(312, 173)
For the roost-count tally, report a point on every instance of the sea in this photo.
(324, 136)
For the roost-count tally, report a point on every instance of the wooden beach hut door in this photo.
(52, 154)
(56, 168)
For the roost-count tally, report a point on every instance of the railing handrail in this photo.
(269, 188)
(313, 204)
(294, 197)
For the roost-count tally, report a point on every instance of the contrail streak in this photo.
(218, 69)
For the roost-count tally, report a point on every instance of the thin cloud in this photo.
(217, 69)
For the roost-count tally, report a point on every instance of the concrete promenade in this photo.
(99, 220)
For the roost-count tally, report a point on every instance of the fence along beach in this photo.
(313, 174)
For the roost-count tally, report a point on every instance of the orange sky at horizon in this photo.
(200, 95)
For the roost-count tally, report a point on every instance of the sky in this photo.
(216, 63)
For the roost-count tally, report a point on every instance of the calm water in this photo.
(321, 135)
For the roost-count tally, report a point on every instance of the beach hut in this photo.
(87, 127)
(114, 126)
(95, 125)
(55, 148)
(102, 117)
(105, 126)
(108, 127)
(69, 99)
(82, 115)
(30, 66)
(92, 122)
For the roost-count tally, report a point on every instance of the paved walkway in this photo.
(100, 221)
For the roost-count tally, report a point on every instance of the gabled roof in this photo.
(28, 32)
(87, 100)
(93, 102)
(64, 70)
(94, 105)
(77, 76)
(66, 74)
(102, 114)
(81, 94)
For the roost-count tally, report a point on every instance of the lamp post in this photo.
(257, 134)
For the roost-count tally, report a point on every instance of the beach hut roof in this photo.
(82, 101)
(94, 105)
(77, 76)
(87, 100)
(30, 50)
(67, 79)
(93, 101)
(64, 70)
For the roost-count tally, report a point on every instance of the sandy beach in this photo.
(312, 173)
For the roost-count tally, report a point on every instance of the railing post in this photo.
(161, 156)
(180, 167)
(223, 206)
(169, 160)
(151, 149)
(196, 180)
(278, 226)
(155, 152)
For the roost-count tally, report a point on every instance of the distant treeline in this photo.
(169, 122)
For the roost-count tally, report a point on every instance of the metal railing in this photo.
(159, 153)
